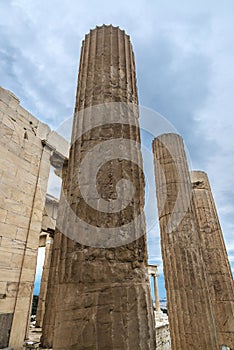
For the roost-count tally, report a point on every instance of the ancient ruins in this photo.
(219, 275)
(189, 305)
(95, 288)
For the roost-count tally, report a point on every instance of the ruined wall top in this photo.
(199, 180)
(10, 105)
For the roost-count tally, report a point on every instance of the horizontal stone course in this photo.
(24, 171)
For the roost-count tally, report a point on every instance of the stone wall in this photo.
(163, 340)
(50, 214)
(26, 146)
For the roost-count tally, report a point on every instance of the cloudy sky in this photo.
(184, 53)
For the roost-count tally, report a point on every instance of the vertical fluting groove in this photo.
(80, 96)
(138, 314)
(111, 80)
(49, 317)
(111, 98)
(128, 73)
(219, 230)
(118, 61)
(90, 313)
(79, 82)
(129, 91)
(220, 280)
(90, 78)
(133, 75)
(190, 310)
(85, 101)
(122, 79)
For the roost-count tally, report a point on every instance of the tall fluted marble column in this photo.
(156, 295)
(103, 296)
(153, 271)
(44, 281)
(190, 310)
(219, 273)
(53, 278)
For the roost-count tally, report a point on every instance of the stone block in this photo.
(17, 220)
(43, 131)
(5, 259)
(30, 260)
(19, 196)
(9, 275)
(5, 189)
(19, 323)
(5, 322)
(3, 215)
(21, 234)
(12, 288)
(58, 143)
(3, 288)
(6, 243)
(7, 305)
(16, 260)
(8, 97)
(10, 121)
(25, 289)
(28, 274)
(36, 226)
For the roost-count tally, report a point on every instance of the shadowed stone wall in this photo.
(26, 146)
(24, 171)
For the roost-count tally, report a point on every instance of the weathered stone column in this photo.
(44, 281)
(190, 310)
(103, 295)
(219, 274)
(53, 278)
(153, 271)
(157, 303)
(50, 302)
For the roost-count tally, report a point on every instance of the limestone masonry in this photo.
(26, 149)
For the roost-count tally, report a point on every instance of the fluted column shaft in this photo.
(103, 298)
(190, 310)
(215, 256)
(50, 303)
(44, 281)
(156, 295)
(53, 278)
